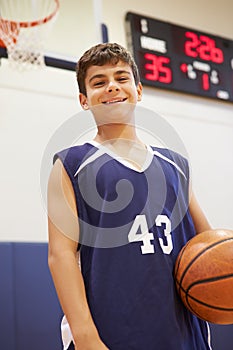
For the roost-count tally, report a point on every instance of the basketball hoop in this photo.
(24, 26)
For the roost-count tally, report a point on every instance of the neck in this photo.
(116, 131)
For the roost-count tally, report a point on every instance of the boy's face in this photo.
(111, 92)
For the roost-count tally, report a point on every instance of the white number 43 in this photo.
(140, 232)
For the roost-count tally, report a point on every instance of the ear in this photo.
(83, 101)
(139, 91)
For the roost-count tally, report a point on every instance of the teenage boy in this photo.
(125, 210)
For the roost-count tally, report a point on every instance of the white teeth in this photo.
(109, 102)
(114, 101)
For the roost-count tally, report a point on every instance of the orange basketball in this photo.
(204, 276)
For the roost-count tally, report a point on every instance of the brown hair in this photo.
(101, 54)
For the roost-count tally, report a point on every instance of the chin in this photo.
(122, 113)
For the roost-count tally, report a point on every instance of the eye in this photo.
(98, 83)
(122, 79)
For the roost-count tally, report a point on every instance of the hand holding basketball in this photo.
(204, 276)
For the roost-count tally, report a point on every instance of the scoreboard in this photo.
(179, 58)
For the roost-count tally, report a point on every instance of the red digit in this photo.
(191, 45)
(153, 67)
(206, 48)
(205, 81)
(166, 71)
(217, 55)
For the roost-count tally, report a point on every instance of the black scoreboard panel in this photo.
(179, 58)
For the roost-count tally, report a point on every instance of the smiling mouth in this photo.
(114, 101)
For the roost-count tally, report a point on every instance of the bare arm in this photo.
(199, 219)
(63, 237)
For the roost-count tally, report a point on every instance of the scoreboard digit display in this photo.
(181, 59)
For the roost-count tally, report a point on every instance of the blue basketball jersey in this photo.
(133, 223)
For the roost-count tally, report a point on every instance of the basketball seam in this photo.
(196, 257)
(178, 264)
(204, 304)
(211, 279)
(187, 295)
(199, 301)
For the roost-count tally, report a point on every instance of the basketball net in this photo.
(24, 26)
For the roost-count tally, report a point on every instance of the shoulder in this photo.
(174, 158)
(171, 155)
(73, 157)
(75, 153)
(166, 152)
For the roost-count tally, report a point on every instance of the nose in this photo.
(112, 87)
